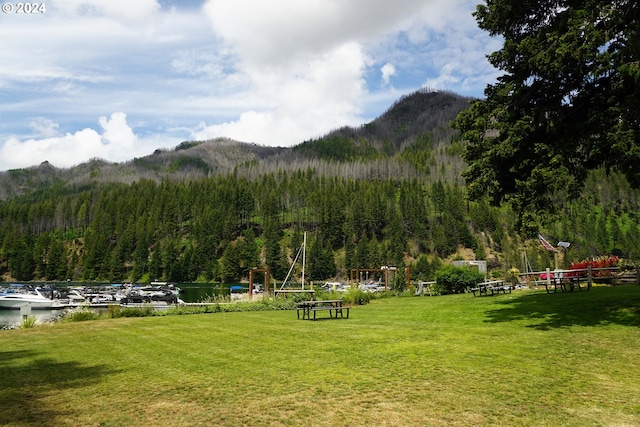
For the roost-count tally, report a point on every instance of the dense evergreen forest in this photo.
(388, 193)
(217, 228)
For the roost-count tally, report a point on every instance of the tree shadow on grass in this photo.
(27, 379)
(598, 307)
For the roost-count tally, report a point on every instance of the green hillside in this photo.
(387, 193)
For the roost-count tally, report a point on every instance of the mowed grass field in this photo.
(520, 359)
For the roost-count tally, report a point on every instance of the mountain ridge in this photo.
(373, 147)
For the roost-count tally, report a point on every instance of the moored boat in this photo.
(27, 298)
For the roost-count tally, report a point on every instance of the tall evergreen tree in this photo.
(22, 261)
(249, 253)
(230, 263)
(568, 101)
(56, 261)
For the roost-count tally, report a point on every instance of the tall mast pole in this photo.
(304, 248)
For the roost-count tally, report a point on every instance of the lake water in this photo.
(189, 293)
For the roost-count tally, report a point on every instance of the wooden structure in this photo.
(267, 279)
(495, 286)
(354, 274)
(332, 306)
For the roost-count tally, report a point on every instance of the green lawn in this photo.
(521, 359)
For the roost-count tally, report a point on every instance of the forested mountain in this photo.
(421, 116)
(189, 160)
(387, 193)
(419, 122)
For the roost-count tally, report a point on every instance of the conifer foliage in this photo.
(567, 103)
(218, 228)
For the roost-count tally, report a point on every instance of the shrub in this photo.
(136, 311)
(115, 311)
(28, 322)
(399, 283)
(80, 315)
(356, 297)
(277, 304)
(457, 279)
(513, 276)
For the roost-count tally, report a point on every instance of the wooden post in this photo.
(589, 277)
(25, 311)
(267, 279)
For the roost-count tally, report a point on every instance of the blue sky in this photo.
(118, 79)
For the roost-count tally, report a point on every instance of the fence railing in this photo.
(549, 276)
(583, 274)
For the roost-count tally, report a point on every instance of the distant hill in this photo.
(417, 125)
(422, 112)
(189, 160)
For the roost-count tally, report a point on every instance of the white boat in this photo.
(32, 298)
(75, 295)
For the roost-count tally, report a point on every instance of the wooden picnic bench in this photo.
(495, 286)
(562, 283)
(332, 306)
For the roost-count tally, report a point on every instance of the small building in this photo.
(481, 265)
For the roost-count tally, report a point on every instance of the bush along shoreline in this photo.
(214, 305)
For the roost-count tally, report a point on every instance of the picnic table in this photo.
(333, 306)
(565, 284)
(495, 286)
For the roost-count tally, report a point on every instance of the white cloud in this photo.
(462, 66)
(275, 72)
(139, 11)
(307, 59)
(306, 100)
(44, 127)
(117, 142)
(117, 133)
(66, 150)
(276, 32)
(387, 70)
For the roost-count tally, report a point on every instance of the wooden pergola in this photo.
(354, 273)
(267, 279)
